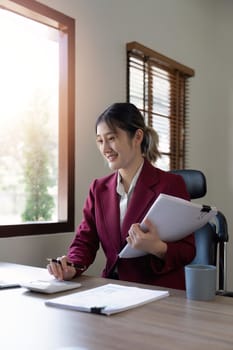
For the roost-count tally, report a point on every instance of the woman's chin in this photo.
(113, 166)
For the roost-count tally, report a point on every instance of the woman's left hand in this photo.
(147, 241)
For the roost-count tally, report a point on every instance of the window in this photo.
(158, 86)
(37, 70)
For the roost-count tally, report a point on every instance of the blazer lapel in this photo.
(142, 198)
(111, 214)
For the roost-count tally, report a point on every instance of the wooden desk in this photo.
(171, 323)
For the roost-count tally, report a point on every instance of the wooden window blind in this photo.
(159, 87)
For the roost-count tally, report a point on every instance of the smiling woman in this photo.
(36, 178)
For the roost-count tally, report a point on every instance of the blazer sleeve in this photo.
(85, 244)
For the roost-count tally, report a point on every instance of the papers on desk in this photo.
(107, 299)
(174, 218)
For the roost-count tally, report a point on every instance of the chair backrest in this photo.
(195, 182)
(212, 238)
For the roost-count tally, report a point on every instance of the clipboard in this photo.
(175, 218)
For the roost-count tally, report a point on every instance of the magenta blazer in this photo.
(101, 225)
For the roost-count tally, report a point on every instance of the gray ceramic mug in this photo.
(200, 282)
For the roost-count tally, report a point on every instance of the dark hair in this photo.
(127, 116)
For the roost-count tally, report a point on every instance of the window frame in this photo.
(178, 117)
(66, 178)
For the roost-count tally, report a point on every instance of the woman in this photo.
(117, 203)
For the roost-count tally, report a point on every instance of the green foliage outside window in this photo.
(37, 174)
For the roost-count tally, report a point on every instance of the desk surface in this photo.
(171, 323)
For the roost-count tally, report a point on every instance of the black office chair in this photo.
(211, 240)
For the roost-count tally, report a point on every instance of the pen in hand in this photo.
(76, 266)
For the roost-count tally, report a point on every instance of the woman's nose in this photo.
(106, 146)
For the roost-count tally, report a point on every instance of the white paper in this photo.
(109, 299)
(175, 218)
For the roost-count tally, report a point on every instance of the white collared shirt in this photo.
(125, 197)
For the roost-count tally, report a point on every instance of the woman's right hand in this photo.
(60, 269)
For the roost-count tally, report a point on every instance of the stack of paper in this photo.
(107, 299)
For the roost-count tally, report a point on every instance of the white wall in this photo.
(197, 33)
